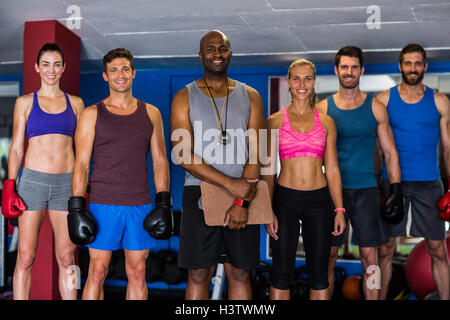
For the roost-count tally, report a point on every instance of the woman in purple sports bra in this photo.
(47, 118)
(306, 143)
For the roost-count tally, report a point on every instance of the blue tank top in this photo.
(356, 139)
(416, 133)
(40, 122)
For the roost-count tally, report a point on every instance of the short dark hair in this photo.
(349, 51)
(49, 47)
(413, 47)
(118, 53)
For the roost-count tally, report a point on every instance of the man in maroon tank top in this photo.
(118, 132)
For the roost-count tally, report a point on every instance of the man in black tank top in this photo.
(235, 244)
(118, 132)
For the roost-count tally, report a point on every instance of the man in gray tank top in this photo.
(213, 116)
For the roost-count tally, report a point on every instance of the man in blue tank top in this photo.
(217, 104)
(360, 120)
(418, 117)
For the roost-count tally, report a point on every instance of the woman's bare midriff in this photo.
(50, 153)
(302, 173)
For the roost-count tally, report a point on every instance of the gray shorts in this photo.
(423, 221)
(41, 190)
(363, 209)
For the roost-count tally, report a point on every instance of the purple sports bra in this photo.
(40, 122)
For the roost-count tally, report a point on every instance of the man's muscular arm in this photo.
(158, 151)
(393, 208)
(236, 217)
(386, 141)
(84, 142)
(333, 174)
(81, 225)
(443, 106)
(255, 123)
(159, 222)
(269, 165)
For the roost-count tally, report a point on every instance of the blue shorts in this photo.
(120, 227)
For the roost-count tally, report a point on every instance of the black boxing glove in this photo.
(82, 226)
(159, 222)
(393, 210)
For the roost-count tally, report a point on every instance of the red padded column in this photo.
(35, 35)
(45, 269)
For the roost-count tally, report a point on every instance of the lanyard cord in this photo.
(216, 111)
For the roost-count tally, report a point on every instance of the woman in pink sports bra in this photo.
(306, 142)
(47, 118)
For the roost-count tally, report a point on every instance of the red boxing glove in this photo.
(445, 215)
(12, 204)
(444, 206)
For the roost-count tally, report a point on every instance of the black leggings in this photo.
(314, 209)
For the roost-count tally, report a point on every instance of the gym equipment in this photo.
(299, 287)
(260, 278)
(219, 282)
(340, 274)
(398, 288)
(418, 270)
(432, 296)
(170, 273)
(83, 261)
(351, 288)
(117, 265)
(153, 268)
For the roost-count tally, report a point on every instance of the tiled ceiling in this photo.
(262, 32)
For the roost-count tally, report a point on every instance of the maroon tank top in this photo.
(121, 145)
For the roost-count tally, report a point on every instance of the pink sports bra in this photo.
(294, 144)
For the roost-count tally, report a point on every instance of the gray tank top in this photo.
(230, 159)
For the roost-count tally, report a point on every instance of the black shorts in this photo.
(363, 210)
(424, 221)
(203, 246)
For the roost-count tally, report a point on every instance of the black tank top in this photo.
(121, 145)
